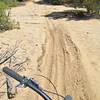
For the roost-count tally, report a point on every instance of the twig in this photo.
(10, 60)
(20, 63)
(11, 89)
(8, 57)
(2, 93)
(3, 84)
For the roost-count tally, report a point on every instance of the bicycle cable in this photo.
(52, 85)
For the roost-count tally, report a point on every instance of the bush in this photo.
(56, 2)
(92, 6)
(10, 3)
(5, 22)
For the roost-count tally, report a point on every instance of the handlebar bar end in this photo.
(68, 98)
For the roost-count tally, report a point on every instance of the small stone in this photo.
(36, 45)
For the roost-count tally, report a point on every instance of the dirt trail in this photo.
(52, 53)
(62, 63)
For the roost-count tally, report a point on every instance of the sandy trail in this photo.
(52, 51)
(64, 64)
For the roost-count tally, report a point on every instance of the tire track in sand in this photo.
(62, 64)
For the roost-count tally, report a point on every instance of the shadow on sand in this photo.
(72, 15)
(43, 2)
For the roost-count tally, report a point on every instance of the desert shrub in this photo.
(5, 21)
(10, 3)
(92, 6)
(56, 2)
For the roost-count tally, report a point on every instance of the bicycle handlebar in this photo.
(27, 82)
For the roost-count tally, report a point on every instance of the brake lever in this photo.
(23, 83)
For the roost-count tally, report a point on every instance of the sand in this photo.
(65, 51)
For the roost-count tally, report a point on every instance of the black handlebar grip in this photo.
(12, 74)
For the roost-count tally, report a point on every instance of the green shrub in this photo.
(92, 6)
(10, 3)
(56, 2)
(5, 22)
(2, 5)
